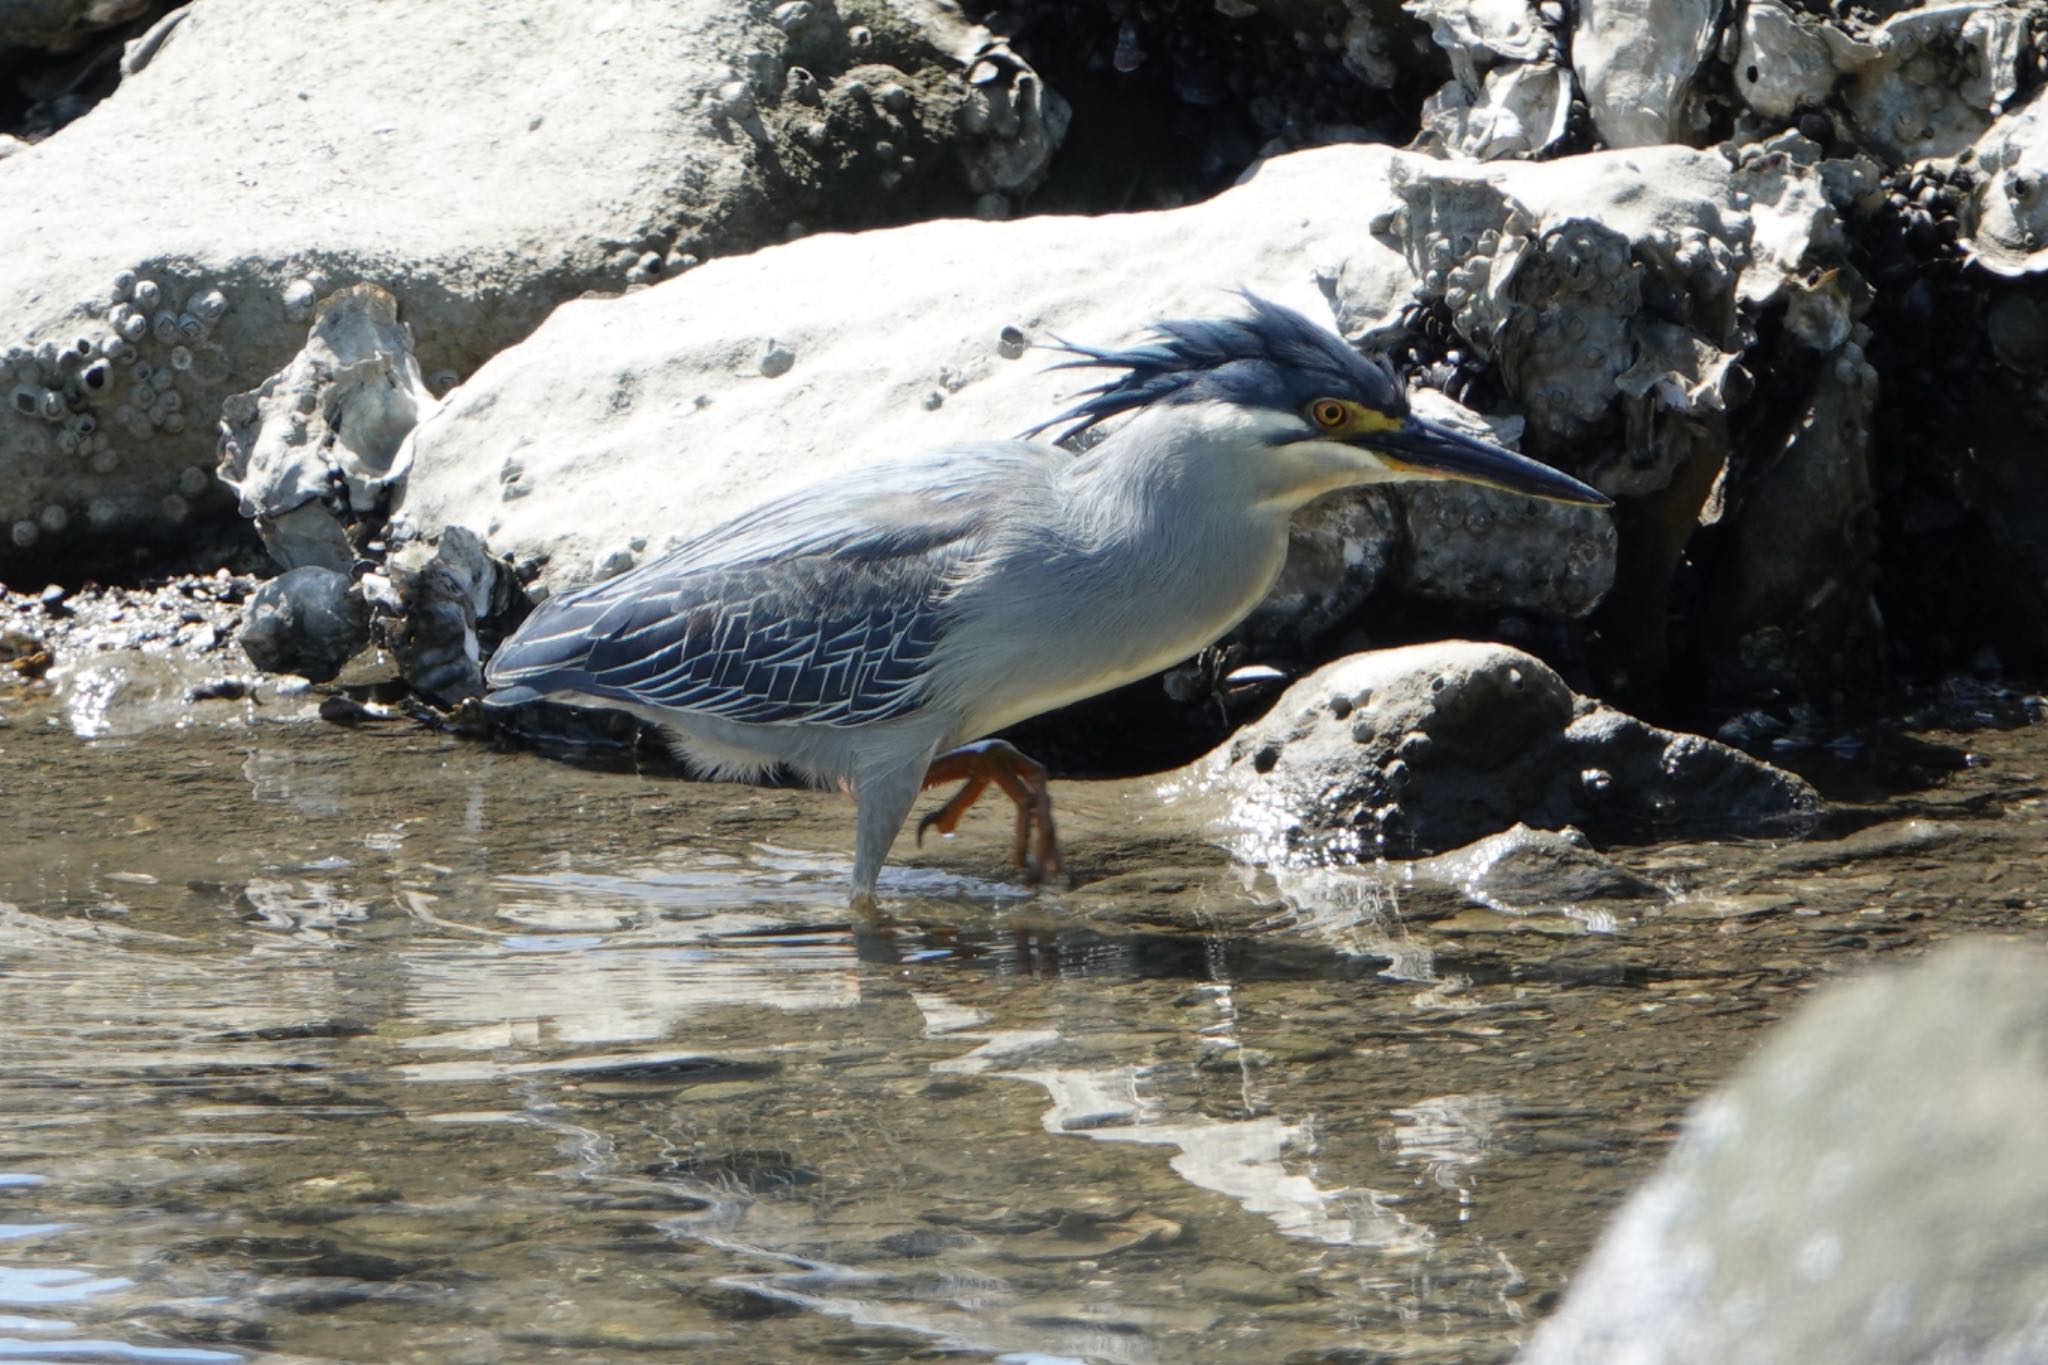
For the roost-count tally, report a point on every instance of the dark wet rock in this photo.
(1424, 748)
(1172, 102)
(472, 192)
(60, 25)
(1868, 1187)
(307, 621)
(432, 595)
(1793, 598)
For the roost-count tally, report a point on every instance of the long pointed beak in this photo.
(1425, 449)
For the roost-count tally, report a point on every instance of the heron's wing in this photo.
(820, 608)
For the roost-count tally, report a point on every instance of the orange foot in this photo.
(1022, 779)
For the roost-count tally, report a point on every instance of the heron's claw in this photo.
(1036, 851)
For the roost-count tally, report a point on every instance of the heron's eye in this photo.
(1328, 413)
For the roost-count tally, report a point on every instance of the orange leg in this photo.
(1021, 779)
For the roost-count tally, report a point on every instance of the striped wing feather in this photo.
(820, 608)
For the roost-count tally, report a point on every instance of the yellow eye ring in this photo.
(1328, 413)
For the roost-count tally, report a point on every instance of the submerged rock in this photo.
(1524, 871)
(1424, 748)
(1868, 1187)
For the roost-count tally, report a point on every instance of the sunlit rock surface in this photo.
(1636, 63)
(1868, 1188)
(1423, 748)
(482, 160)
(625, 426)
(1512, 91)
(312, 450)
(1605, 291)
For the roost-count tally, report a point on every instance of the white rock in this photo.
(483, 161)
(1782, 64)
(650, 414)
(1516, 111)
(332, 422)
(1868, 1187)
(2009, 208)
(1636, 60)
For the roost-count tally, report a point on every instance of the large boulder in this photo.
(494, 159)
(1868, 1188)
(1605, 301)
(626, 425)
(1425, 748)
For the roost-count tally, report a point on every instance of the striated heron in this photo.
(865, 634)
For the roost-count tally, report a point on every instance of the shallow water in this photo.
(379, 1046)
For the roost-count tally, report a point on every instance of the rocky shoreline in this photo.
(1691, 255)
(315, 375)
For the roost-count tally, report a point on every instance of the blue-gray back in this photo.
(822, 607)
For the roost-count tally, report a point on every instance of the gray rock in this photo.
(315, 446)
(437, 593)
(1636, 61)
(452, 171)
(1479, 545)
(1510, 95)
(1868, 1188)
(1546, 268)
(1424, 748)
(1926, 82)
(308, 621)
(2007, 214)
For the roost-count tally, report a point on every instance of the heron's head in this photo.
(1299, 397)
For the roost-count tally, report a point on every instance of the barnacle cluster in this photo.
(119, 376)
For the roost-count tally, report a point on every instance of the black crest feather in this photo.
(1188, 359)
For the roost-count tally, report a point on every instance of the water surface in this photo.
(376, 1045)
